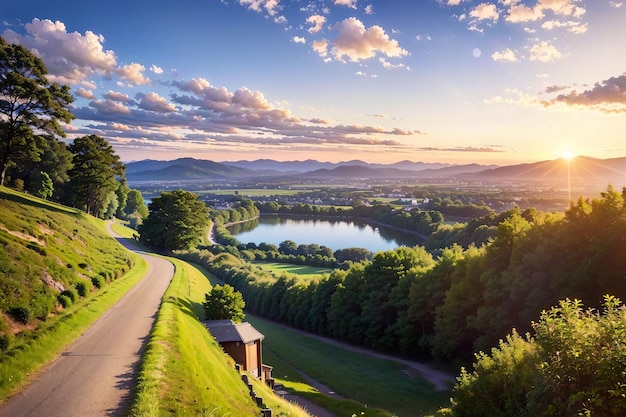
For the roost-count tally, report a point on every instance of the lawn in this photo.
(373, 383)
(304, 271)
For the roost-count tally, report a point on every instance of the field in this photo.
(304, 271)
(373, 383)
(256, 192)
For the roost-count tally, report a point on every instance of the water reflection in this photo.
(334, 233)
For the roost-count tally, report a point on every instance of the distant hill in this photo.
(375, 171)
(183, 169)
(580, 168)
(190, 169)
(312, 165)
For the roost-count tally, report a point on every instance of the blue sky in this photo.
(455, 81)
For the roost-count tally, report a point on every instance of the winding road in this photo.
(96, 375)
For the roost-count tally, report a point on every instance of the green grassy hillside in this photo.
(51, 257)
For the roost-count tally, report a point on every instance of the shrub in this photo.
(83, 265)
(573, 366)
(83, 287)
(71, 294)
(5, 342)
(37, 248)
(98, 281)
(64, 300)
(21, 314)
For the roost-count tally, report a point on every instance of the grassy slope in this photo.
(184, 371)
(41, 240)
(371, 382)
(65, 238)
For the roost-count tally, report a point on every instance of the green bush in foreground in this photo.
(575, 365)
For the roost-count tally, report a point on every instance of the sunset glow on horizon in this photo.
(452, 81)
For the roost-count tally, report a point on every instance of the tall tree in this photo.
(29, 105)
(136, 204)
(95, 172)
(177, 220)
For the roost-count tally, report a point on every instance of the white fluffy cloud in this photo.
(133, 73)
(349, 3)
(355, 42)
(522, 13)
(505, 56)
(69, 57)
(72, 58)
(270, 6)
(544, 52)
(485, 11)
(154, 102)
(298, 39)
(317, 21)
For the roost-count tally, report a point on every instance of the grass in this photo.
(379, 384)
(303, 271)
(184, 371)
(21, 364)
(43, 243)
(45, 246)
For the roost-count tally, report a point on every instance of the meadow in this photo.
(303, 271)
(375, 387)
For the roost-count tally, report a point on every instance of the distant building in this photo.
(243, 343)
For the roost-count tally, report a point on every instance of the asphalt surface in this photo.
(96, 375)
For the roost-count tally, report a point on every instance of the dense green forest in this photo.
(408, 302)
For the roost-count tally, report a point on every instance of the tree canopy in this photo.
(94, 174)
(223, 303)
(572, 366)
(31, 108)
(177, 220)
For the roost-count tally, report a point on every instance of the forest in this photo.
(463, 300)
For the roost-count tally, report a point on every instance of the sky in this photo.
(450, 81)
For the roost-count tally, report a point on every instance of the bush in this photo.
(21, 314)
(573, 366)
(37, 248)
(5, 342)
(71, 294)
(98, 281)
(83, 287)
(64, 300)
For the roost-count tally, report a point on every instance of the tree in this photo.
(95, 172)
(41, 184)
(136, 204)
(177, 220)
(29, 105)
(224, 303)
(573, 366)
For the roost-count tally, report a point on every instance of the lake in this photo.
(335, 234)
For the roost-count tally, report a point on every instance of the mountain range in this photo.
(190, 169)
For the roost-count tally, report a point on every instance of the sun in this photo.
(568, 155)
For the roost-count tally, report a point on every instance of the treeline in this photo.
(242, 210)
(86, 174)
(290, 252)
(407, 302)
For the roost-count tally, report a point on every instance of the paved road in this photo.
(95, 376)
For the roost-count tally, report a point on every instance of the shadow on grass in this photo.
(19, 198)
